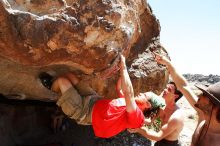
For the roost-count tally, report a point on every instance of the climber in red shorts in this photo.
(107, 116)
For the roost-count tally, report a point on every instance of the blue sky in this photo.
(190, 32)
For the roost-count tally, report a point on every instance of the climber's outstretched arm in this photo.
(127, 87)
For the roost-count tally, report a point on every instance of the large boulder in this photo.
(51, 37)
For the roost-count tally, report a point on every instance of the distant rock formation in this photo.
(204, 79)
(42, 39)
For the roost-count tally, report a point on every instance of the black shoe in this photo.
(46, 79)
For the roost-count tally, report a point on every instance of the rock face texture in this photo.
(52, 37)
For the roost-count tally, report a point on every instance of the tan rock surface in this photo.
(85, 37)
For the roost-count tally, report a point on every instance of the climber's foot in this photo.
(46, 79)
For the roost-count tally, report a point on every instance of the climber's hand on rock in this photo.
(122, 62)
(161, 59)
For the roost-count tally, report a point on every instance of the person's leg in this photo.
(73, 78)
(61, 84)
(82, 87)
(70, 100)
